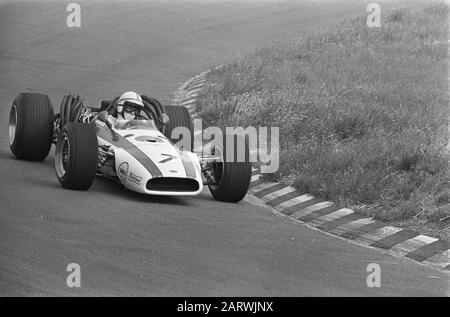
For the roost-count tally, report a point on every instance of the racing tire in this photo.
(31, 126)
(76, 156)
(179, 117)
(233, 176)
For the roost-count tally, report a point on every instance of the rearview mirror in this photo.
(164, 118)
(103, 117)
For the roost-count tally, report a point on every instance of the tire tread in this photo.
(34, 128)
(82, 167)
(178, 117)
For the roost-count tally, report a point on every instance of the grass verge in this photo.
(363, 113)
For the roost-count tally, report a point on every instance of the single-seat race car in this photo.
(139, 153)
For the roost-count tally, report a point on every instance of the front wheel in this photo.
(76, 156)
(232, 174)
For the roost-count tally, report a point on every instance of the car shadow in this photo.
(45, 183)
(101, 184)
(8, 156)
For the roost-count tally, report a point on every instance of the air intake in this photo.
(173, 184)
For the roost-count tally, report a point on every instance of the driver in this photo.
(129, 106)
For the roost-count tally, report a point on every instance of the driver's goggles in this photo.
(130, 107)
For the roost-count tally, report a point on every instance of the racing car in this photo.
(140, 152)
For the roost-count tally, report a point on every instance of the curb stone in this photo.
(324, 215)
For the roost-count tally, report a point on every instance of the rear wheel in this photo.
(31, 126)
(179, 117)
(232, 175)
(76, 156)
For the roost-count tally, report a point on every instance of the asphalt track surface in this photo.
(130, 244)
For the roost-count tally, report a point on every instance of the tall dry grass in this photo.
(363, 112)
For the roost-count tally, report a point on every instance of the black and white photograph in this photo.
(224, 156)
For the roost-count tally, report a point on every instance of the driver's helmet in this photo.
(129, 105)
